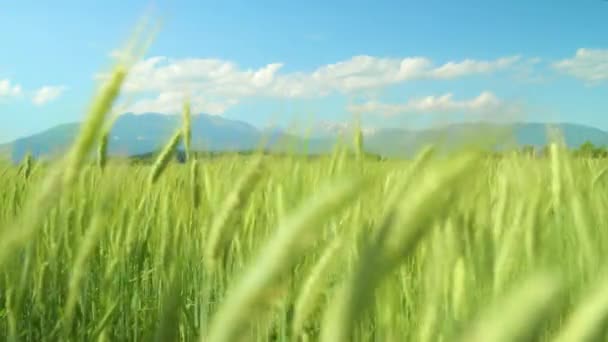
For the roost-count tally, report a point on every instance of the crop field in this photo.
(458, 247)
(336, 249)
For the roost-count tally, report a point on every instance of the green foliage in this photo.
(588, 150)
(528, 150)
(392, 250)
(163, 159)
(456, 247)
(187, 128)
(102, 150)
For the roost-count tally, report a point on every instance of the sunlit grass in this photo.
(421, 250)
(461, 247)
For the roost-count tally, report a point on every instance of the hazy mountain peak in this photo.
(134, 134)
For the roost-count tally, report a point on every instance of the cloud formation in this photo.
(485, 102)
(589, 65)
(46, 94)
(217, 84)
(468, 67)
(172, 102)
(8, 89)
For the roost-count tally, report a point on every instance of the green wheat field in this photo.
(458, 247)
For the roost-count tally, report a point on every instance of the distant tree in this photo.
(528, 150)
(601, 152)
(589, 150)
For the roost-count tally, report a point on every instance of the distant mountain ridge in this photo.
(145, 133)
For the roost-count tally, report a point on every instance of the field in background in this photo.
(459, 247)
(334, 248)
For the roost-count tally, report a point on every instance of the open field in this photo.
(459, 248)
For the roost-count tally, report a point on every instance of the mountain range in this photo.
(145, 133)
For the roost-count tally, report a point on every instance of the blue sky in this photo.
(397, 63)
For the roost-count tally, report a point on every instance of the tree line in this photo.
(586, 150)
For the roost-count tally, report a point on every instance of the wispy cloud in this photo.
(589, 65)
(9, 90)
(485, 102)
(172, 102)
(47, 94)
(220, 84)
(471, 67)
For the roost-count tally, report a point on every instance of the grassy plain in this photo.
(462, 247)
(457, 248)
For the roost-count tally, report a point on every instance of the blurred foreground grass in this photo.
(457, 248)
(341, 248)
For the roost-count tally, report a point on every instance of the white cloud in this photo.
(172, 102)
(46, 94)
(589, 65)
(219, 84)
(484, 102)
(324, 127)
(470, 67)
(8, 89)
(366, 72)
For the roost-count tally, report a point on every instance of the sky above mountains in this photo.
(397, 63)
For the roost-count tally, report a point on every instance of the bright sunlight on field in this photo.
(458, 247)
